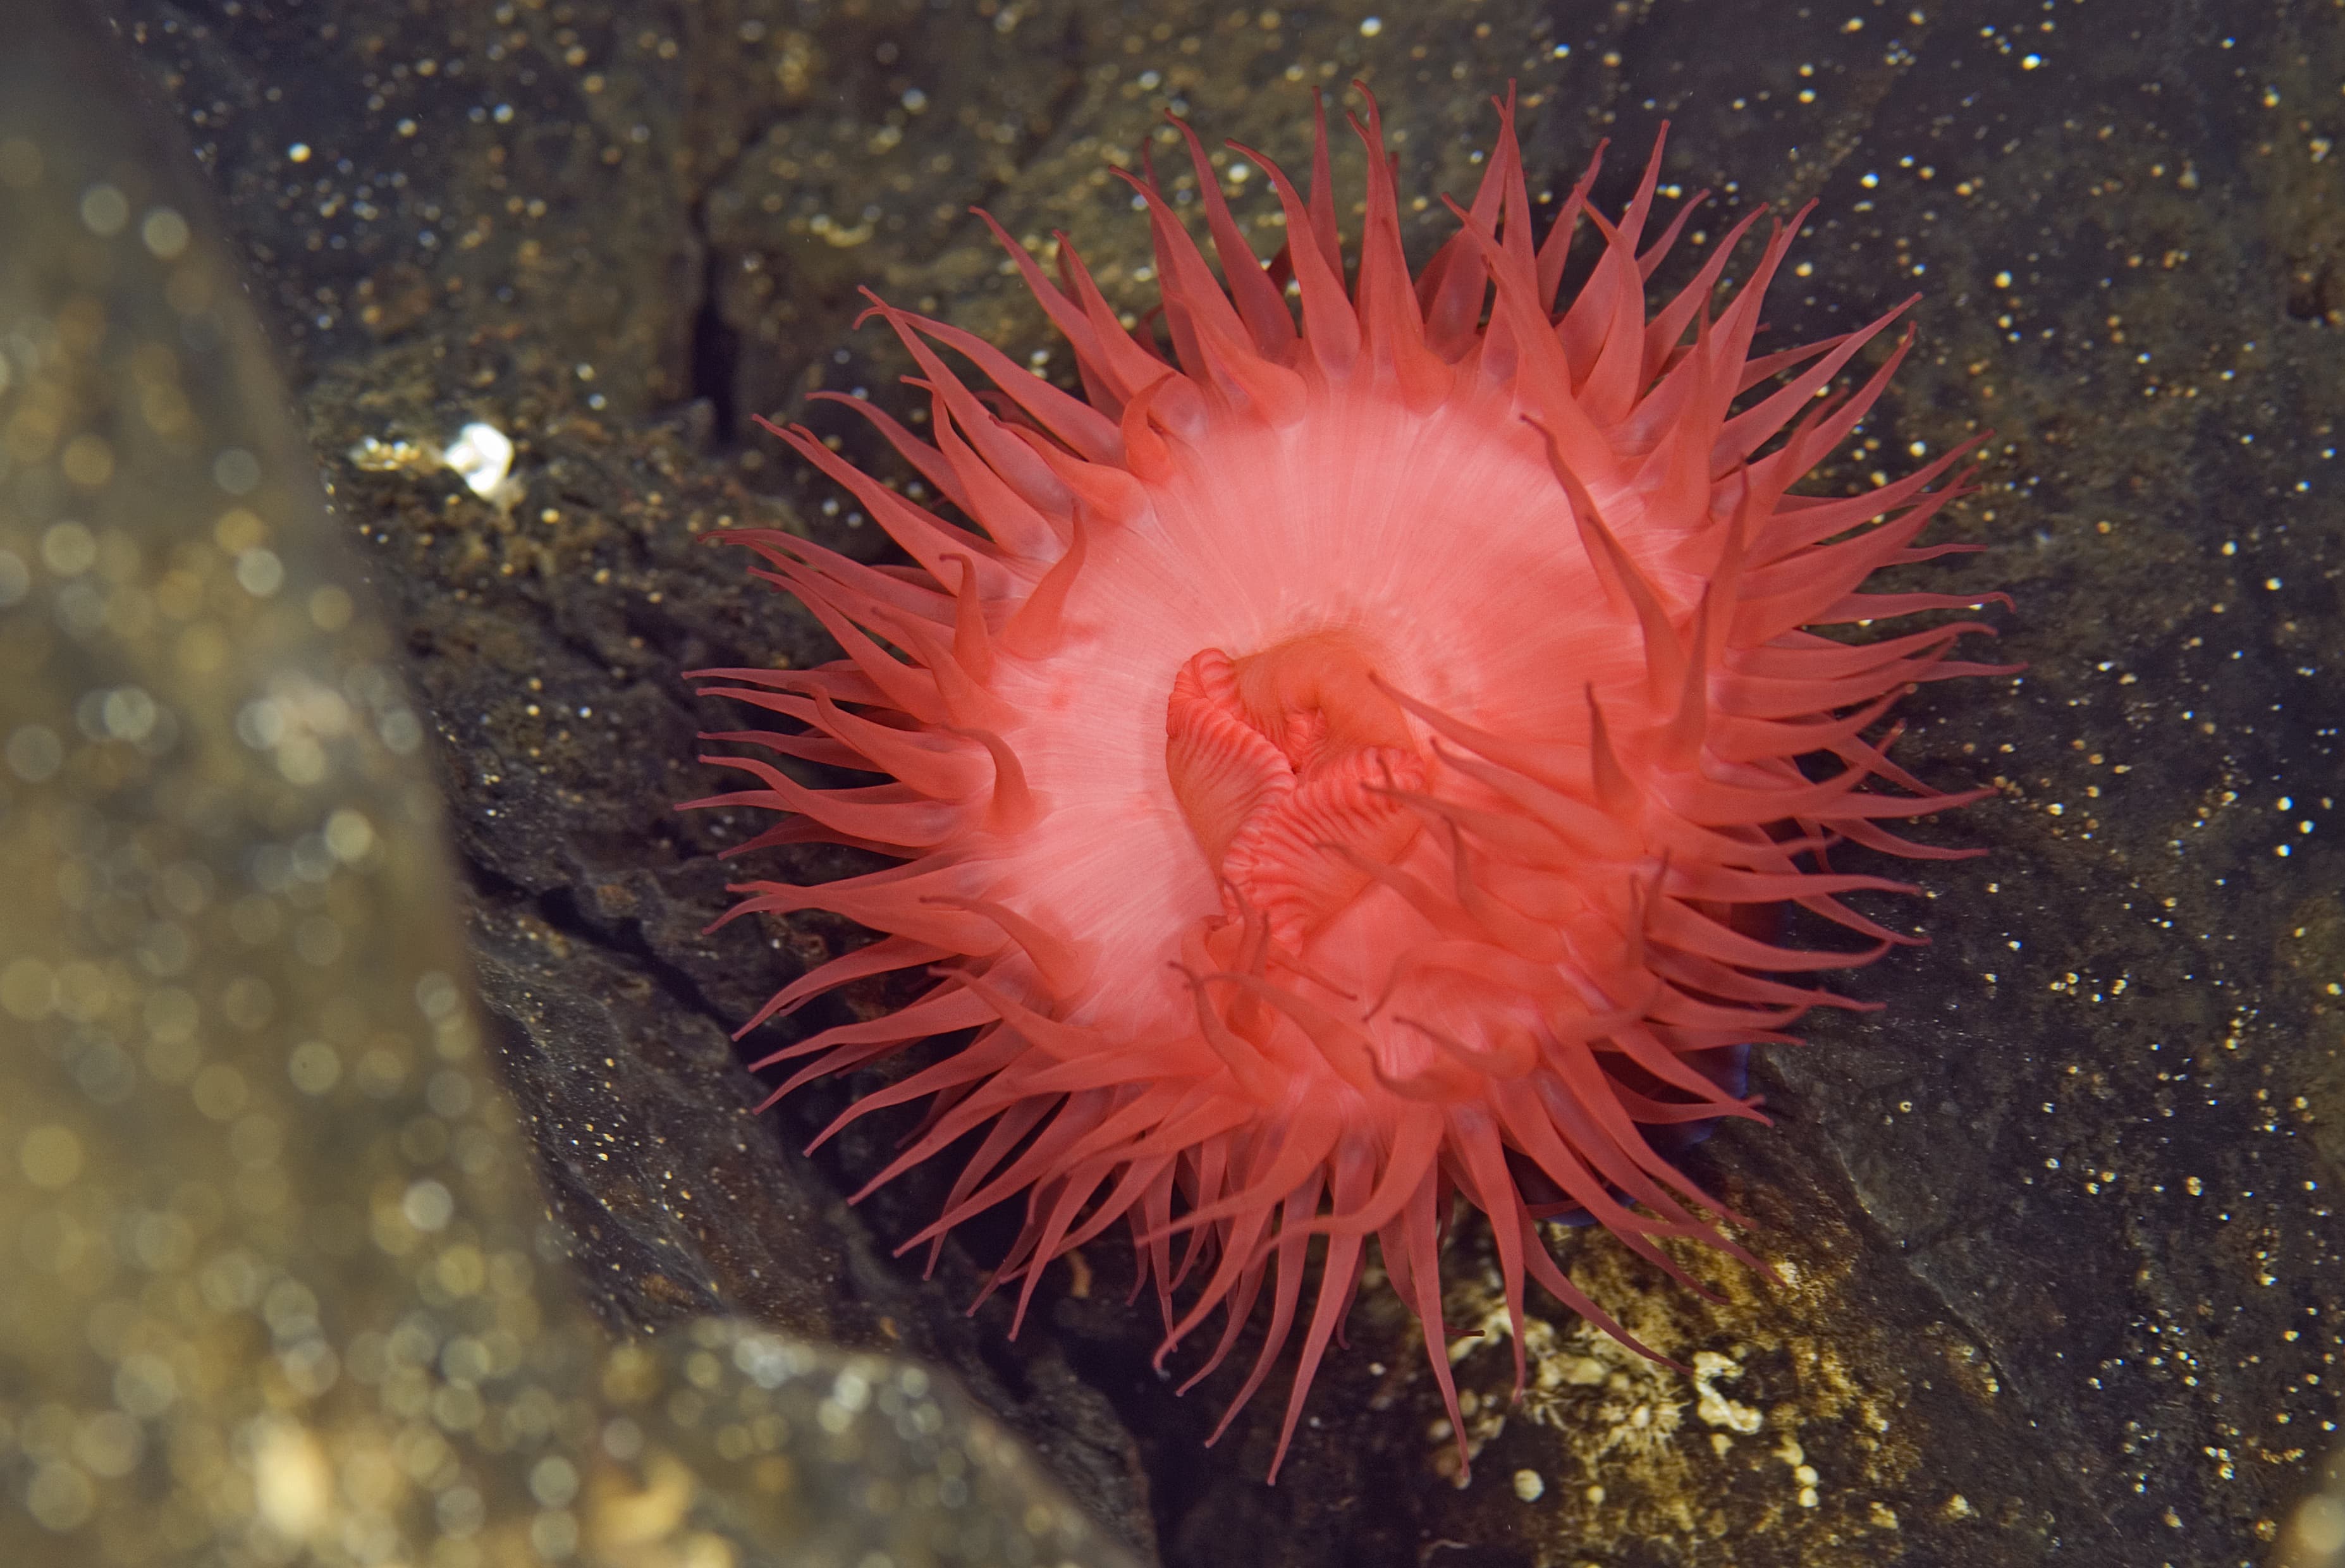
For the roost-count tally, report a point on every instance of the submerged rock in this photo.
(2063, 1277)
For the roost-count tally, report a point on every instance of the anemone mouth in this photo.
(1290, 767)
(1334, 766)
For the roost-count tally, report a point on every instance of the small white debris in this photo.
(482, 456)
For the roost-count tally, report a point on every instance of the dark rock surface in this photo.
(2059, 1217)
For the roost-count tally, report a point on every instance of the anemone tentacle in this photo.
(1330, 760)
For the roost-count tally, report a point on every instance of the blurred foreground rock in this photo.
(274, 1283)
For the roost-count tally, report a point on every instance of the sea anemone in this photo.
(1338, 764)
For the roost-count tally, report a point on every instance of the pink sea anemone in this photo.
(1333, 765)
